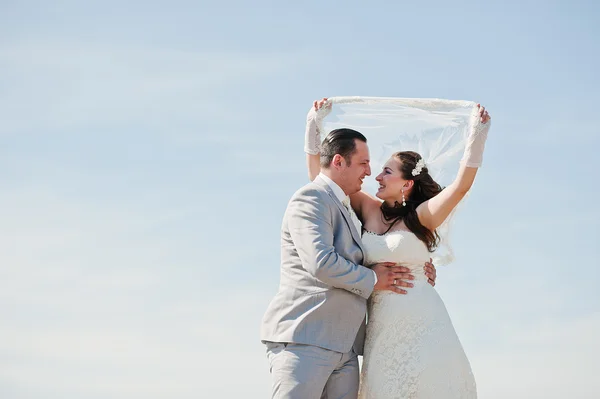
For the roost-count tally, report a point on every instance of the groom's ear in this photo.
(338, 161)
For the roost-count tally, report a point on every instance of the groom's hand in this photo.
(430, 272)
(391, 277)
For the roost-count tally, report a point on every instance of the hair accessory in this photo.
(418, 167)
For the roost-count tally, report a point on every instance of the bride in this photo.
(411, 347)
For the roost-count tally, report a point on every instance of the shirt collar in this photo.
(337, 190)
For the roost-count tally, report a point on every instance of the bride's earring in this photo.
(403, 199)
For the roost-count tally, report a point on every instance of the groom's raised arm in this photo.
(310, 225)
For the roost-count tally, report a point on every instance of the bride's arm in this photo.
(363, 204)
(433, 212)
(313, 163)
(312, 139)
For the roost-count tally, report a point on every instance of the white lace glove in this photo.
(314, 127)
(473, 155)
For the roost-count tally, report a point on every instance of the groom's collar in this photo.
(337, 190)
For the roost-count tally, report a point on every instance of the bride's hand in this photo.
(318, 104)
(320, 109)
(312, 134)
(483, 114)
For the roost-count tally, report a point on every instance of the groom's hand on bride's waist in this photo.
(430, 272)
(391, 277)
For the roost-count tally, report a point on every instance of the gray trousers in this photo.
(309, 372)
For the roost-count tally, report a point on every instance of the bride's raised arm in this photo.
(313, 163)
(312, 138)
(434, 211)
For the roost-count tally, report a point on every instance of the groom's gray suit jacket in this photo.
(323, 290)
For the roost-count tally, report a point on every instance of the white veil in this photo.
(436, 129)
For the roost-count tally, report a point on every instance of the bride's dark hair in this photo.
(423, 189)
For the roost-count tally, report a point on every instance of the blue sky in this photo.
(148, 151)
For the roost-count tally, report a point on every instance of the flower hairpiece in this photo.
(418, 167)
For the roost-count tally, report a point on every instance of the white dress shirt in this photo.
(345, 200)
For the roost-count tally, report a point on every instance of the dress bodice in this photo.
(400, 246)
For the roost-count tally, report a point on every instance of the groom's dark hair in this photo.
(340, 141)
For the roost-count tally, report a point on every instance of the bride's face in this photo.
(391, 182)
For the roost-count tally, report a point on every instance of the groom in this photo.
(314, 327)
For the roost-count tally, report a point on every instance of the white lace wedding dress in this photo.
(411, 348)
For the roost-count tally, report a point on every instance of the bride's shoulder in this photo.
(365, 203)
(363, 198)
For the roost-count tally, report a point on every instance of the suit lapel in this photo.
(351, 226)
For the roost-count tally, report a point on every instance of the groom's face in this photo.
(359, 167)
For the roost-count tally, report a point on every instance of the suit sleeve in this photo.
(311, 230)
